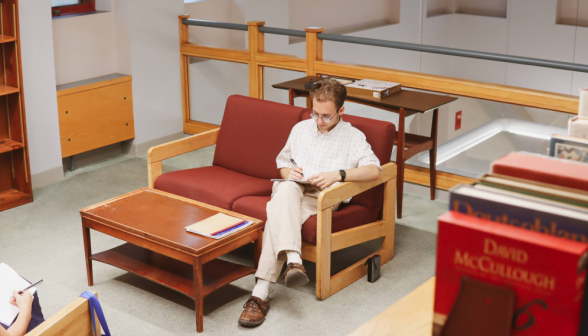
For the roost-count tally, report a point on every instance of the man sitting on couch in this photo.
(324, 150)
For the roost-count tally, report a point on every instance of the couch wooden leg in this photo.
(390, 218)
(351, 274)
(323, 253)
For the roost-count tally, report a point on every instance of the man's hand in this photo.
(325, 180)
(295, 174)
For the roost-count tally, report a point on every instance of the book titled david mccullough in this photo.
(547, 273)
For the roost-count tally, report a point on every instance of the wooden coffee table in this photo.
(160, 249)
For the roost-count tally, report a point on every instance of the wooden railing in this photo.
(314, 65)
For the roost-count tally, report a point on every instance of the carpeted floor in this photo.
(44, 240)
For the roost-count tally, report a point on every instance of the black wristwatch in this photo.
(343, 174)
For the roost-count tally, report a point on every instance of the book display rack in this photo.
(15, 173)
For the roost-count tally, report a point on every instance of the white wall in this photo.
(39, 87)
(122, 40)
(351, 15)
(155, 59)
(84, 47)
(216, 10)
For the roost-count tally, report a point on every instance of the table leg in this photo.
(257, 248)
(88, 253)
(198, 294)
(291, 96)
(400, 162)
(433, 154)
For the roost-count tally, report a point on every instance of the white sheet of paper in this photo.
(10, 281)
(284, 180)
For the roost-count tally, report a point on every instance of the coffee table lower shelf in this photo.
(172, 273)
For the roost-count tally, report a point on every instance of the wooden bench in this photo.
(73, 320)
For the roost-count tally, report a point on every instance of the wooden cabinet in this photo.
(15, 172)
(95, 113)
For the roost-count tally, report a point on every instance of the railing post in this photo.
(256, 45)
(314, 52)
(314, 49)
(185, 68)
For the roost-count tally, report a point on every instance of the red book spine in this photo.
(544, 169)
(543, 271)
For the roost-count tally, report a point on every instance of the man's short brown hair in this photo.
(329, 89)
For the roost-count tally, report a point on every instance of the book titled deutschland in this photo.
(524, 211)
(546, 273)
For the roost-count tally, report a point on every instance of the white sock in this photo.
(261, 289)
(294, 257)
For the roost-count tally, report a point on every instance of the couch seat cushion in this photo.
(213, 185)
(348, 216)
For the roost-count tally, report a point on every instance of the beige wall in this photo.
(217, 10)
(84, 47)
(342, 16)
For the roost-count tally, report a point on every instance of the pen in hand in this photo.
(31, 286)
(296, 166)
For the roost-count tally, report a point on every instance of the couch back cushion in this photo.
(252, 134)
(380, 135)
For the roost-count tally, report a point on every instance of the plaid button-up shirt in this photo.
(344, 147)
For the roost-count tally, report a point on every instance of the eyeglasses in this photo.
(315, 116)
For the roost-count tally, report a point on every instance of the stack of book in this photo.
(370, 88)
(524, 227)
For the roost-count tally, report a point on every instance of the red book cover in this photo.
(544, 169)
(543, 271)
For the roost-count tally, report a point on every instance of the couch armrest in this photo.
(331, 196)
(182, 146)
(174, 148)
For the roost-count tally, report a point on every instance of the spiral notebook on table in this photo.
(218, 226)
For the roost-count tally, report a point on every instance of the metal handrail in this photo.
(401, 45)
(282, 31)
(214, 24)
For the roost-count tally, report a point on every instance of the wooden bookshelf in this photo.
(15, 172)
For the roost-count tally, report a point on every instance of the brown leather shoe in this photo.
(254, 312)
(295, 275)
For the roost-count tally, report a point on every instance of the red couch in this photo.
(251, 135)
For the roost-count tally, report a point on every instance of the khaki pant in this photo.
(290, 206)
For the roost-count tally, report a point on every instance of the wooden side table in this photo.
(405, 103)
(159, 248)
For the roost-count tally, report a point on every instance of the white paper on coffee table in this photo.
(10, 281)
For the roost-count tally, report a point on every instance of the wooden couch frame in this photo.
(73, 320)
(327, 242)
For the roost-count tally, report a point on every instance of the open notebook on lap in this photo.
(10, 281)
